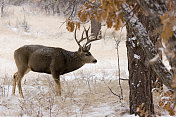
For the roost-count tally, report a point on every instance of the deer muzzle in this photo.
(95, 61)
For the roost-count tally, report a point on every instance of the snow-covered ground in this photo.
(85, 91)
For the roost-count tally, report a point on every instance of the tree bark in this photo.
(96, 29)
(141, 77)
(155, 9)
(156, 40)
(170, 52)
(2, 8)
(144, 40)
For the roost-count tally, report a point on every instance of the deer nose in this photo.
(95, 61)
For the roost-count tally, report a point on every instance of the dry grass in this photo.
(83, 93)
(85, 96)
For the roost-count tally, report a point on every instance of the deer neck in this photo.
(74, 61)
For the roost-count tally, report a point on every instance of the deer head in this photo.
(84, 50)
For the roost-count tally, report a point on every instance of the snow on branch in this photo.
(155, 9)
(148, 47)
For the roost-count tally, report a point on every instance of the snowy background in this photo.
(85, 92)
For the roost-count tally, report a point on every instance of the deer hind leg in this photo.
(17, 79)
(14, 83)
(57, 84)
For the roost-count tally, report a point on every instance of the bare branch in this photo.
(118, 62)
(114, 93)
(155, 9)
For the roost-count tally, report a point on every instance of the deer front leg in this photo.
(57, 86)
(56, 78)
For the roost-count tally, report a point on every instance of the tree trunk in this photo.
(139, 77)
(143, 38)
(156, 40)
(57, 7)
(95, 29)
(2, 8)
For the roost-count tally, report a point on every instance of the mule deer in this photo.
(51, 60)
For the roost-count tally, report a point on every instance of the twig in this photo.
(62, 24)
(123, 79)
(120, 97)
(74, 4)
(118, 63)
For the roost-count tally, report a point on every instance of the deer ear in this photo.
(88, 47)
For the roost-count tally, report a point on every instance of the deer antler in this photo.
(87, 36)
(78, 42)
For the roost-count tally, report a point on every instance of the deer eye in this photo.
(88, 54)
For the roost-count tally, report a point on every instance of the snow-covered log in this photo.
(148, 47)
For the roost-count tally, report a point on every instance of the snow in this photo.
(118, 12)
(174, 28)
(165, 98)
(127, 115)
(138, 85)
(86, 86)
(137, 56)
(85, 91)
(133, 38)
(14, 29)
(133, 20)
(154, 59)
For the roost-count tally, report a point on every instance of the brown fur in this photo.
(50, 60)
